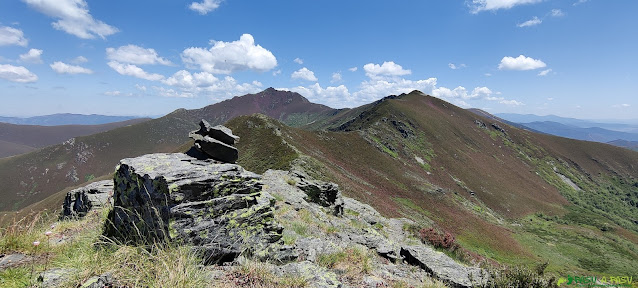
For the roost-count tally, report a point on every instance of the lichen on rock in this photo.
(219, 209)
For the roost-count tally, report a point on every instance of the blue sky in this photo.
(573, 58)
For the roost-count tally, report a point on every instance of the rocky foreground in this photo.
(283, 218)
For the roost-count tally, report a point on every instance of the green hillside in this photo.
(506, 194)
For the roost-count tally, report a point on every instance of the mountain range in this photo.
(507, 194)
(17, 139)
(65, 119)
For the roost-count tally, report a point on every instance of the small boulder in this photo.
(443, 267)
(326, 194)
(80, 201)
(214, 142)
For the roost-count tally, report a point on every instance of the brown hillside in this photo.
(24, 136)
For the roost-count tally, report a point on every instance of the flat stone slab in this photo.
(443, 267)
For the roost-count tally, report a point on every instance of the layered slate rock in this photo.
(80, 201)
(220, 209)
(443, 267)
(326, 194)
(215, 142)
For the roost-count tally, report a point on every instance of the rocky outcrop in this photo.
(80, 201)
(215, 142)
(326, 194)
(219, 209)
(359, 227)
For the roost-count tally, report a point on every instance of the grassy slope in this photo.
(511, 177)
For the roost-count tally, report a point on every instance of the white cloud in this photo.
(375, 89)
(205, 6)
(486, 5)
(275, 73)
(172, 93)
(137, 55)
(63, 68)
(580, 2)
(488, 74)
(336, 77)
(544, 72)
(454, 66)
(353, 69)
(73, 18)
(385, 69)
(334, 96)
(532, 22)
(187, 84)
(112, 93)
(625, 105)
(511, 102)
(228, 57)
(132, 70)
(79, 60)
(556, 13)
(461, 92)
(298, 61)
(140, 87)
(17, 74)
(185, 79)
(304, 74)
(520, 63)
(12, 36)
(33, 56)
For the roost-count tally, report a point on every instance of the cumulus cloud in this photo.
(461, 92)
(171, 92)
(33, 56)
(277, 72)
(556, 13)
(228, 57)
(490, 5)
(187, 84)
(336, 96)
(205, 6)
(140, 87)
(304, 74)
(63, 68)
(73, 18)
(79, 60)
(137, 55)
(12, 36)
(336, 77)
(17, 74)
(544, 72)
(298, 61)
(353, 69)
(385, 69)
(185, 79)
(520, 63)
(375, 89)
(532, 22)
(133, 70)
